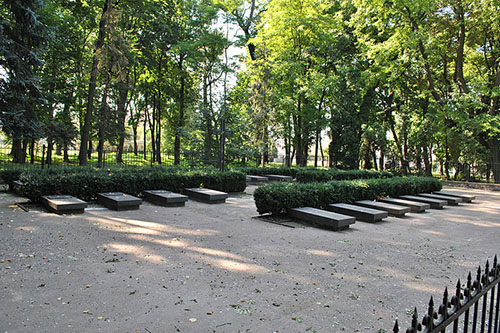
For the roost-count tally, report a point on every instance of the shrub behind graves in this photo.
(280, 198)
(85, 183)
(312, 175)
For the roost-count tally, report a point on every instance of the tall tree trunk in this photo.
(208, 121)
(316, 148)
(32, 151)
(146, 116)
(152, 129)
(459, 60)
(65, 152)
(101, 129)
(85, 135)
(17, 150)
(180, 123)
(122, 114)
(158, 129)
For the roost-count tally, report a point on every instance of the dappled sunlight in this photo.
(432, 232)
(135, 250)
(478, 223)
(172, 242)
(239, 203)
(165, 228)
(321, 253)
(178, 243)
(217, 258)
(143, 227)
(423, 287)
(28, 228)
(236, 266)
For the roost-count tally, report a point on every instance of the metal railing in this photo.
(473, 308)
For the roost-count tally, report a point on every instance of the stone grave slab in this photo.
(435, 204)
(465, 197)
(393, 210)
(452, 201)
(64, 204)
(415, 206)
(165, 198)
(206, 195)
(255, 180)
(323, 218)
(118, 201)
(279, 178)
(361, 213)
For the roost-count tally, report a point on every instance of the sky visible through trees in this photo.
(406, 85)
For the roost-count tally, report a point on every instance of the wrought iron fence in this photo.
(187, 159)
(473, 308)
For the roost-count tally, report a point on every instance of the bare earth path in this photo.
(214, 268)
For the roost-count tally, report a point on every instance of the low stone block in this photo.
(393, 210)
(64, 204)
(206, 195)
(257, 179)
(279, 178)
(452, 201)
(415, 206)
(118, 201)
(165, 198)
(322, 218)
(465, 197)
(361, 213)
(435, 204)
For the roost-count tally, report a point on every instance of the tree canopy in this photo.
(406, 85)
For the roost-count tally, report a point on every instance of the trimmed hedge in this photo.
(309, 176)
(280, 198)
(269, 171)
(85, 183)
(9, 176)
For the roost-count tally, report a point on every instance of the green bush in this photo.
(312, 175)
(269, 171)
(85, 183)
(280, 198)
(9, 176)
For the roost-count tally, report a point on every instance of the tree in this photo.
(23, 36)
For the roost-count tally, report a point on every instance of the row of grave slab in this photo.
(67, 204)
(340, 216)
(256, 180)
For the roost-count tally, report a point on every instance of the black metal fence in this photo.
(187, 159)
(473, 308)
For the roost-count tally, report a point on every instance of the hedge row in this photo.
(86, 183)
(280, 198)
(9, 176)
(269, 171)
(322, 176)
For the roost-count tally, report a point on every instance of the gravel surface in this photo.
(218, 268)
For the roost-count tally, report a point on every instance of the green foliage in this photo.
(85, 183)
(270, 171)
(10, 175)
(280, 198)
(312, 175)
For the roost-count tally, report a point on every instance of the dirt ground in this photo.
(217, 268)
